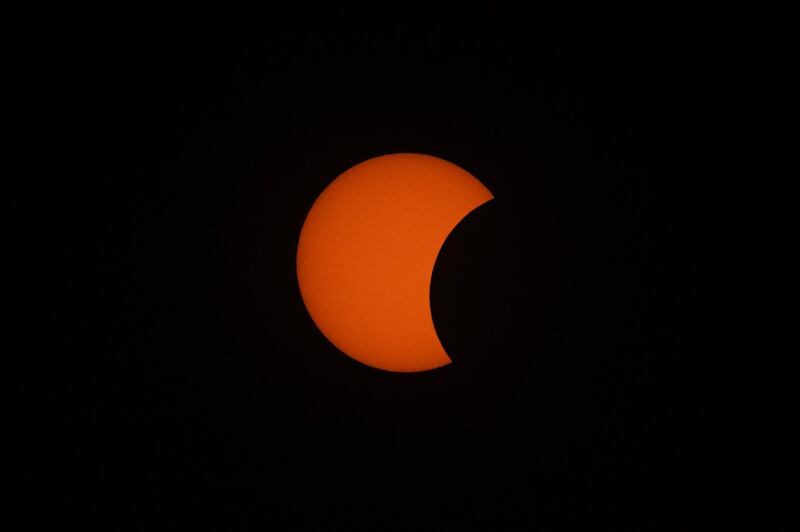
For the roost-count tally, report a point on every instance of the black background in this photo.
(215, 401)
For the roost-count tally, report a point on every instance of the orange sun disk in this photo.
(367, 251)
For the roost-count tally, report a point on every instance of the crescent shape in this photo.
(367, 251)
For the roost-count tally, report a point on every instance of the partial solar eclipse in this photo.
(367, 251)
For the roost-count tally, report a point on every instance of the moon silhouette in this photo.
(367, 251)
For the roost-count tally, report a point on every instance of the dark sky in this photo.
(215, 403)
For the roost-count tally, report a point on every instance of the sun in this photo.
(366, 254)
